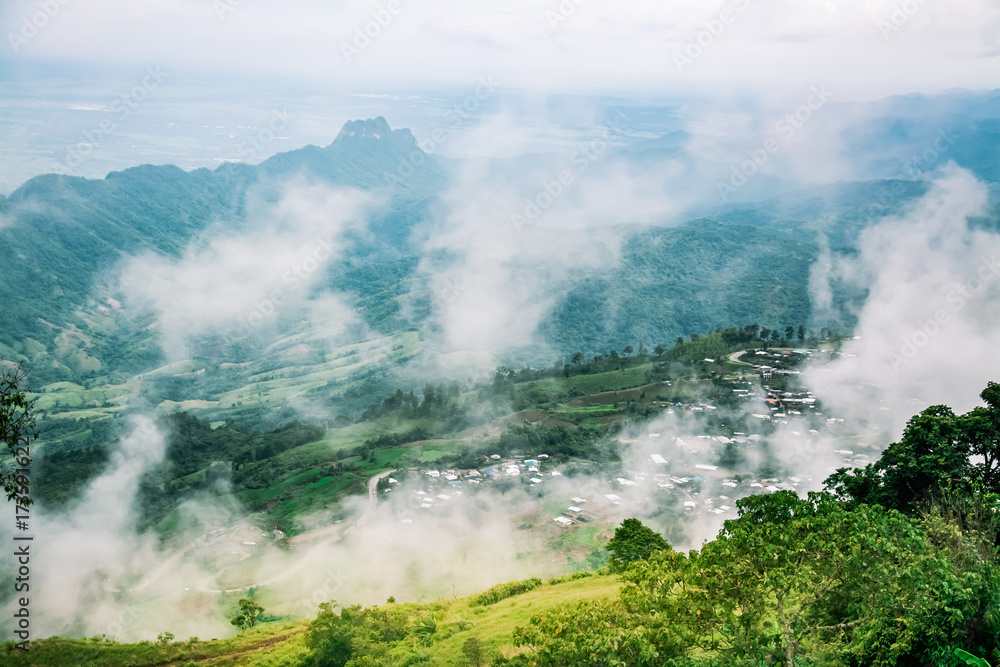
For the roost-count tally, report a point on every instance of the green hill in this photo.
(743, 262)
(896, 563)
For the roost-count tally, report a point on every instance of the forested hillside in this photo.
(66, 235)
(894, 564)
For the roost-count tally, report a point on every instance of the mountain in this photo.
(62, 232)
(744, 260)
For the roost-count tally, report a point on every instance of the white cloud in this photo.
(598, 45)
(929, 326)
(239, 281)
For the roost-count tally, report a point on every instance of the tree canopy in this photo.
(17, 430)
(934, 457)
(633, 541)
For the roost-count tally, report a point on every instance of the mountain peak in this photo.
(374, 128)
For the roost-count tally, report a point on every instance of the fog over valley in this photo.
(508, 334)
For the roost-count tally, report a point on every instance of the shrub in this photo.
(504, 591)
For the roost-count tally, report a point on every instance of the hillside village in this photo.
(687, 468)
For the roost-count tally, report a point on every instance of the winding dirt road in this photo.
(330, 533)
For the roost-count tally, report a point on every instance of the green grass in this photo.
(288, 482)
(170, 525)
(60, 652)
(610, 381)
(81, 436)
(587, 409)
(554, 505)
(344, 366)
(495, 623)
(282, 643)
(276, 385)
(431, 456)
(586, 535)
(551, 390)
(388, 457)
(308, 493)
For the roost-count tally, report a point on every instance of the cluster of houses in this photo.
(683, 466)
(444, 485)
(768, 364)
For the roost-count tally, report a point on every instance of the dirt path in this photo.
(336, 531)
(735, 358)
(267, 643)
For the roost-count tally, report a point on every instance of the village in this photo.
(683, 469)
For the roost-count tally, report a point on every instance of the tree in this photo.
(474, 651)
(250, 612)
(329, 637)
(764, 333)
(789, 332)
(597, 633)
(981, 428)
(431, 396)
(577, 359)
(931, 459)
(680, 340)
(813, 579)
(659, 350)
(802, 332)
(356, 636)
(775, 336)
(17, 430)
(940, 454)
(634, 541)
(628, 350)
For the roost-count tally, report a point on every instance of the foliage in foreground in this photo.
(17, 430)
(504, 591)
(633, 542)
(940, 453)
(791, 581)
(897, 567)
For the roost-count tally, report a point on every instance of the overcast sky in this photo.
(869, 48)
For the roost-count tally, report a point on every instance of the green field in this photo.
(282, 643)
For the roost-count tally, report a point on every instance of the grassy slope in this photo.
(495, 623)
(308, 485)
(283, 643)
(286, 377)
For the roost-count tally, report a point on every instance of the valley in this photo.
(546, 398)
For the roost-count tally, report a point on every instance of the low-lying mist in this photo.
(492, 261)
